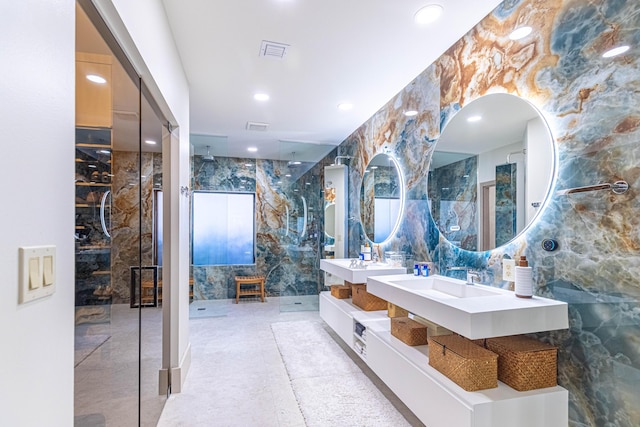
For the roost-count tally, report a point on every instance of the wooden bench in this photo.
(249, 286)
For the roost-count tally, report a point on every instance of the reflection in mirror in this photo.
(491, 172)
(381, 198)
(330, 220)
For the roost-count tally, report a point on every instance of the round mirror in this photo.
(491, 172)
(381, 198)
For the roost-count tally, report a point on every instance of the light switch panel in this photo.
(37, 272)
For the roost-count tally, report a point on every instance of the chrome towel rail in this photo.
(618, 187)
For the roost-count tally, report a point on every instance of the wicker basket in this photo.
(365, 300)
(465, 363)
(525, 363)
(396, 311)
(341, 291)
(408, 331)
(433, 329)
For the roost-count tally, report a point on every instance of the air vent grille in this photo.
(257, 126)
(273, 49)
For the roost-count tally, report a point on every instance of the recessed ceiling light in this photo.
(261, 97)
(520, 33)
(428, 14)
(96, 79)
(252, 149)
(474, 119)
(615, 51)
(345, 106)
(150, 141)
(410, 113)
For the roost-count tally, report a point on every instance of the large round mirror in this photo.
(491, 172)
(381, 198)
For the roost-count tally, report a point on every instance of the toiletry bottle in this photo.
(416, 269)
(424, 269)
(524, 279)
(367, 252)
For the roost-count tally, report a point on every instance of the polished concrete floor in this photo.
(237, 376)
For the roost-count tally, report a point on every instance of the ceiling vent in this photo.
(273, 49)
(257, 126)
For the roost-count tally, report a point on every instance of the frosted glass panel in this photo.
(223, 228)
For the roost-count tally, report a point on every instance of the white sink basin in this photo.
(474, 311)
(340, 268)
(443, 287)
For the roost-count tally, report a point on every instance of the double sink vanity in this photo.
(473, 311)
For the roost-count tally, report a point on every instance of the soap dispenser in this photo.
(524, 279)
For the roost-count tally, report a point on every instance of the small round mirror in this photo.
(381, 198)
(491, 173)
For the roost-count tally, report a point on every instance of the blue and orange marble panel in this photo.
(592, 107)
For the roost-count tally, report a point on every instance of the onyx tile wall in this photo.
(287, 257)
(592, 106)
(127, 234)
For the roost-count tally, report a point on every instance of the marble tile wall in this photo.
(132, 217)
(287, 253)
(592, 106)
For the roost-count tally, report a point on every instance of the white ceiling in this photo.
(358, 51)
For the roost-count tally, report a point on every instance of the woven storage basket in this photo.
(465, 363)
(395, 311)
(433, 329)
(365, 300)
(341, 291)
(408, 331)
(525, 363)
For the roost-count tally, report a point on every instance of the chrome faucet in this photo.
(472, 277)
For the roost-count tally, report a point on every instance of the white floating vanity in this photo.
(473, 311)
(470, 310)
(341, 268)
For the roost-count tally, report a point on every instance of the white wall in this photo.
(37, 107)
(37, 47)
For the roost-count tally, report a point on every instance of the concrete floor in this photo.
(237, 376)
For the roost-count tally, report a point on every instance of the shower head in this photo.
(208, 157)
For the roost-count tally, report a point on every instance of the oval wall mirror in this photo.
(491, 173)
(381, 198)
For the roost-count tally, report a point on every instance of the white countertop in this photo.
(340, 268)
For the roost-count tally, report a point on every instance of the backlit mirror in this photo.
(381, 198)
(491, 172)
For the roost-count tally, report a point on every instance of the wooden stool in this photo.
(257, 286)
